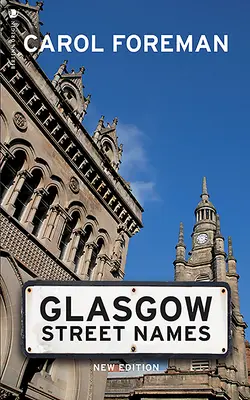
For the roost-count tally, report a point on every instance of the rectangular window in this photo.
(199, 365)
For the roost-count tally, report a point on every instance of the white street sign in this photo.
(95, 318)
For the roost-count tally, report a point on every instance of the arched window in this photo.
(42, 210)
(9, 171)
(94, 255)
(70, 225)
(80, 248)
(24, 196)
(70, 96)
(22, 28)
(108, 150)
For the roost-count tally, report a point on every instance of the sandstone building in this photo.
(199, 378)
(66, 213)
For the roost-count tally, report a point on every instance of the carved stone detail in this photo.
(28, 253)
(20, 121)
(6, 394)
(67, 142)
(74, 185)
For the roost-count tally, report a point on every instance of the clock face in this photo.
(202, 238)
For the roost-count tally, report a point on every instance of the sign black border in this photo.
(105, 356)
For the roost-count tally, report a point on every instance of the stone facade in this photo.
(66, 213)
(199, 378)
(248, 359)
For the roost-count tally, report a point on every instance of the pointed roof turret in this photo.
(59, 72)
(204, 195)
(100, 125)
(180, 247)
(230, 249)
(218, 230)
(27, 18)
(205, 202)
(75, 78)
(205, 211)
(107, 140)
(39, 4)
(115, 122)
(181, 236)
(204, 187)
(71, 87)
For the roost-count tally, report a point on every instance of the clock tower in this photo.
(207, 259)
(199, 377)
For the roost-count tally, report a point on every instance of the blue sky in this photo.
(181, 116)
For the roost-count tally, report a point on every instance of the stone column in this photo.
(241, 362)
(100, 266)
(54, 210)
(220, 255)
(85, 262)
(74, 241)
(14, 191)
(53, 230)
(30, 211)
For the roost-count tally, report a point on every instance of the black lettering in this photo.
(142, 334)
(119, 307)
(206, 334)
(119, 335)
(56, 311)
(156, 334)
(152, 311)
(89, 331)
(103, 331)
(50, 334)
(70, 317)
(61, 328)
(188, 333)
(75, 331)
(174, 335)
(163, 308)
(93, 312)
(192, 311)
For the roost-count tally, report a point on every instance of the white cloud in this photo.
(136, 163)
(144, 191)
(134, 156)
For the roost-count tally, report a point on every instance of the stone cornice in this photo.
(233, 275)
(179, 261)
(30, 60)
(238, 322)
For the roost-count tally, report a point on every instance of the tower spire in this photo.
(218, 229)
(180, 259)
(204, 195)
(59, 73)
(100, 126)
(115, 122)
(181, 235)
(205, 212)
(204, 185)
(230, 249)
